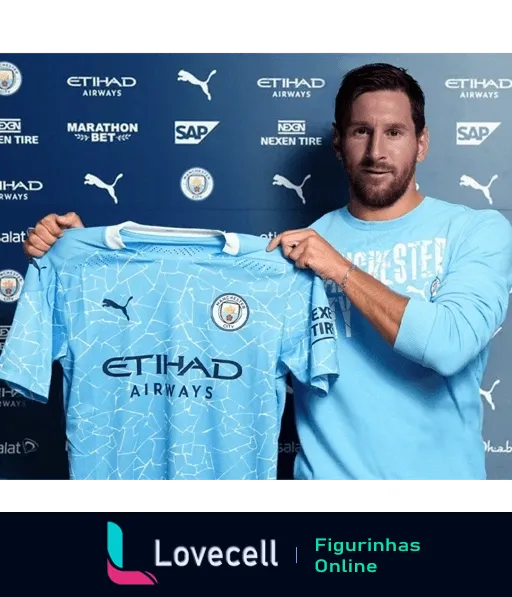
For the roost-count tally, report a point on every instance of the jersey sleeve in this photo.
(309, 344)
(37, 336)
(448, 332)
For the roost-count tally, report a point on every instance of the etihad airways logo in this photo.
(140, 366)
(288, 87)
(478, 88)
(18, 190)
(182, 556)
(93, 86)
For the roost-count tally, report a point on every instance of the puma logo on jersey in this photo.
(33, 262)
(108, 303)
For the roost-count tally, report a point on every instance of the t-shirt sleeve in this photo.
(472, 300)
(37, 336)
(309, 344)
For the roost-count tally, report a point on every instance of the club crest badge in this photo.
(11, 284)
(197, 184)
(434, 287)
(230, 312)
(10, 78)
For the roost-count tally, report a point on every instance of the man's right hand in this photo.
(47, 231)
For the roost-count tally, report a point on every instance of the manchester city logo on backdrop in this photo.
(230, 312)
(197, 184)
(11, 283)
(10, 78)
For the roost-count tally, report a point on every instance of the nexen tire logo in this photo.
(475, 133)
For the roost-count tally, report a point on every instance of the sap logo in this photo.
(192, 132)
(474, 133)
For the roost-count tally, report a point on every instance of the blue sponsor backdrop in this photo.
(233, 142)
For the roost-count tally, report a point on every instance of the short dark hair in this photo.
(377, 77)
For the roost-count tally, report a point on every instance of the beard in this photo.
(377, 193)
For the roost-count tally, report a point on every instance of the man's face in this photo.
(380, 147)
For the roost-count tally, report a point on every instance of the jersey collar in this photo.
(113, 238)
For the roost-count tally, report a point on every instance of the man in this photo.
(419, 286)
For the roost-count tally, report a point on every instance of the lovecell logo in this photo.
(116, 573)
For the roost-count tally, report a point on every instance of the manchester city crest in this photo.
(11, 283)
(10, 78)
(197, 184)
(434, 287)
(230, 312)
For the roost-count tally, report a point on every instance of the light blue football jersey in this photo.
(175, 345)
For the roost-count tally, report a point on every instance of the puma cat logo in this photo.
(113, 305)
(184, 75)
(284, 182)
(33, 262)
(93, 180)
(469, 181)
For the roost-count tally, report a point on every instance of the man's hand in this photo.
(378, 303)
(309, 250)
(47, 231)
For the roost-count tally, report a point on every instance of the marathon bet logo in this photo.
(291, 133)
(103, 132)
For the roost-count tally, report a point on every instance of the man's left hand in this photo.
(309, 250)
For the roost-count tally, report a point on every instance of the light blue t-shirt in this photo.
(412, 411)
(175, 345)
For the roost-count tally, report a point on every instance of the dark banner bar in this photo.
(237, 553)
